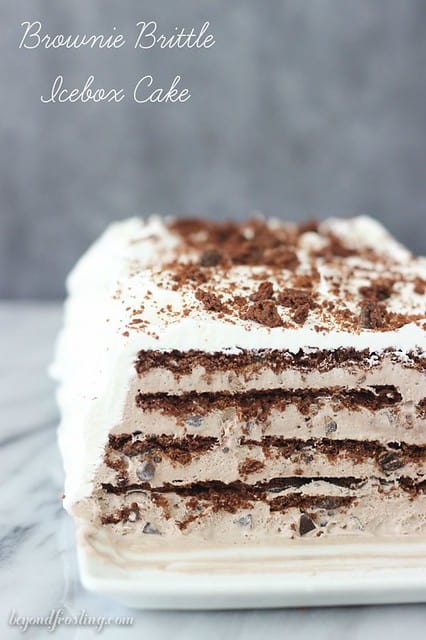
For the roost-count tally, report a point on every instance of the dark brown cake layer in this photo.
(183, 362)
(180, 450)
(274, 485)
(218, 496)
(389, 457)
(258, 404)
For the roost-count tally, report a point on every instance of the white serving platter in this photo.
(299, 574)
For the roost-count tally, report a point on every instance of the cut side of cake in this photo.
(244, 383)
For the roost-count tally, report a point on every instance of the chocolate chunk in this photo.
(264, 292)
(245, 521)
(210, 258)
(194, 421)
(146, 471)
(371, 316)
(335, 247)
(149, 528)
(306, 524)
(390, 462)
(331, 427)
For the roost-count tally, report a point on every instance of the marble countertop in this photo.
(38, 571)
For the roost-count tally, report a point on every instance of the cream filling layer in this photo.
(388, 512)
(395, 423)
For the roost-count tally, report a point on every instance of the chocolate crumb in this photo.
(299, 300)
(281, 257)
(264, 292)
(380, 289)
(264, 312)
(308, 226)
(210, 258)
(420, 286)
(371, 316)
(182, 272)
(294, 298)
(210, 300)
(301, 313)
(250, 465)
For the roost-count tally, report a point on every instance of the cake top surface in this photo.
(196, 284)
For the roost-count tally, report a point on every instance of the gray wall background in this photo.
(303, 107)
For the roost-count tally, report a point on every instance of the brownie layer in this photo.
(259, 404)
(211, 490)
(183, 362)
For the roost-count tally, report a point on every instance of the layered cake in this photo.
(236, 383)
